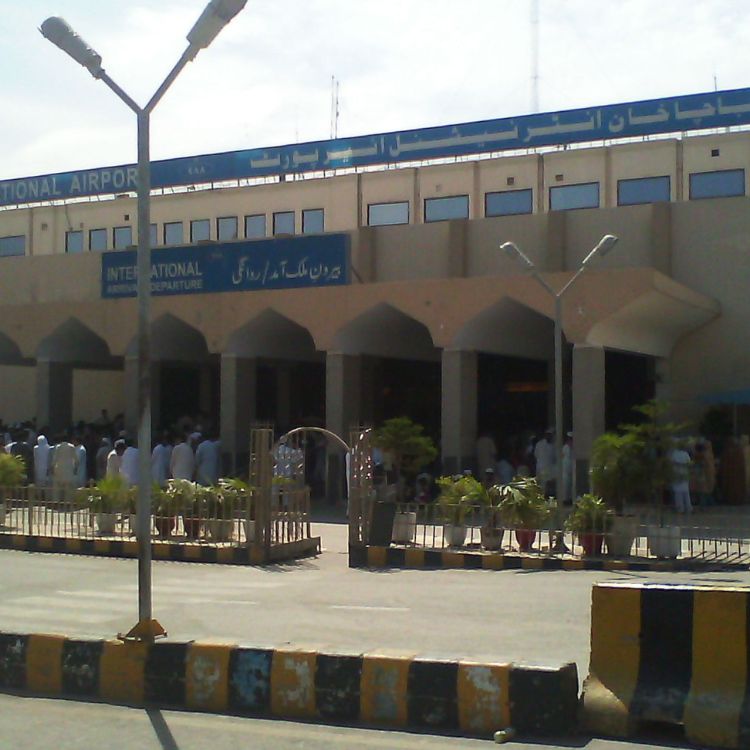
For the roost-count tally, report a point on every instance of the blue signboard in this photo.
(284, 263)
(671, 115)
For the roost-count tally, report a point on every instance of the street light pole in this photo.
(605, 244)
(215, 16)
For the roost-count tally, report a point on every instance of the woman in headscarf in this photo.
(41, 461)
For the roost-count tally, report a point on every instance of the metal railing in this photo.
(720, 535)
(69, 513)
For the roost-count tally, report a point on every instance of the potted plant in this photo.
(221, 507)
(168, 501)
(458, 498)
(12, 474)
(590, 519)
(240, 494)
(410, 451)
(107, 498)
(525, 508)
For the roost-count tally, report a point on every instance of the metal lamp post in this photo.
(216, 15)
(605, 244)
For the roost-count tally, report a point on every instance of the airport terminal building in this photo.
(344, 282)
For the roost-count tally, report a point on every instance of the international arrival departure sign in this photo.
(280, 263)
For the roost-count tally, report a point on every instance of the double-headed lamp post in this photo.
(605, 244)
(216, 15)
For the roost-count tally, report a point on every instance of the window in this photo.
(508, 202)
(722, 184)
(13, 245)
(643, 190)
(312, 221)
(441, 209)
(567, 197)
(255, 226)
(385, 214)
(200, 230)
(226, 228)
(173, 233)
(123, 237)
(152, 235)
(283, 222)
(98, 239)
(74, 242)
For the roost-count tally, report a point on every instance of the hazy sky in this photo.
(266, 79)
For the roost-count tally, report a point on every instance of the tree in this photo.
(408, 447)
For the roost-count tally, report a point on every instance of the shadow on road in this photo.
(163, 733)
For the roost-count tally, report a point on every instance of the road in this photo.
(39, 723)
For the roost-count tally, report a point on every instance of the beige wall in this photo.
(94, 390)
(18, 393)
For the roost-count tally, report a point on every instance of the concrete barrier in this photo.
(672, 654)
(370, 689)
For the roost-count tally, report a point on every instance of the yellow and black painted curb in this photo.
(674, 654)
(371, 689)
(361, 556)
(176, 551)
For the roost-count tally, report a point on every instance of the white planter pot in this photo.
(220, 530)
(454, 536)
(106, 522)
(250, 531)
(404, 527)
(492, 539)
(664, 541)
(622, 535)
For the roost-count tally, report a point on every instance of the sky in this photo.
(266, 79)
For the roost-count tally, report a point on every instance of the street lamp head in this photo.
(216, 15)
(515, 253)
(604, 245)
(59, 32)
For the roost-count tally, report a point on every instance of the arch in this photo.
(385, 331)
(75, 343)
(273, 336)
(10, 352)
(173, 340)
(508, 328)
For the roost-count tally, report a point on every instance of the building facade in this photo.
(427, 316)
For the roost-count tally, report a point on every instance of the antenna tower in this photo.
(334, 107)
(534, 55)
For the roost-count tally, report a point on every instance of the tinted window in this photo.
(123, 236)
(566, 197)
(74, 242)
(643, 190)
(226, 228)
(312, 221)
(98, 239)
(440, 209)
(384, 214)
(508, 202)
(722, 184)
(200, 230)
(173, 233)
(255, 226)
(13, 245)
(152, 234)
(283, 222)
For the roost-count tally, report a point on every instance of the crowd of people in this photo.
(92, 451)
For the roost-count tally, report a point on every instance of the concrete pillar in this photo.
(459, 410)
(588, 406)
(343, 409)
(54, 395)
(239, 388)
(131, 396)
(284, 396)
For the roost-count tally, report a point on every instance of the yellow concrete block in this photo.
(225, 555)
(384, 685)
(44, 663)
(574, 564)
(483, 697)
(19, 541)
(44, 543)
(192, 552)
(376, 557)
(532, 563)
(160, 551)
(73, 545)
(615, 565)
(452, 560)
(122, 667)
(207, 677)
(293, 684)
(414, 558)
(130, 548)
(719, 674)
(493, 562)
(101, 546)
